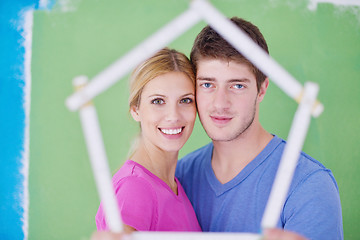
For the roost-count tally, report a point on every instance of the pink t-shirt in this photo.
(148, 204)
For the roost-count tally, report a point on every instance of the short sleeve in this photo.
(313, 208)
(137, 204)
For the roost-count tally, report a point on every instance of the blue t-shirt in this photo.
(312, 207)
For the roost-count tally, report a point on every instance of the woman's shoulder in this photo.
(130, 169)
(132, 176)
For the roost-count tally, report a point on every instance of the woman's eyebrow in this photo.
(163, 96)
(156, 95)
(188, 94)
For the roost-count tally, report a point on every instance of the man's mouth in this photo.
(220, 119)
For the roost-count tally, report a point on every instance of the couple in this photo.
(223, 186)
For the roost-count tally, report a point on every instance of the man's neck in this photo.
(231, 157)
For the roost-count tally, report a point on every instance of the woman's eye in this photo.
(157, 101)
(186, 100)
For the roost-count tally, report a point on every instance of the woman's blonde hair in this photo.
(164, 61)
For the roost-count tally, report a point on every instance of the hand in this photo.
(107, 236)
(280, 234)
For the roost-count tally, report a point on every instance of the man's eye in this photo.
(207, 85)
(238, 86)
(186, 100)
(157, 101)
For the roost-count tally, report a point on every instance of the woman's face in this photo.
(166, 111)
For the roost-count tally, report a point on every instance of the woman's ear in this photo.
(135, 113)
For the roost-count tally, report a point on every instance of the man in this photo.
(229, 180)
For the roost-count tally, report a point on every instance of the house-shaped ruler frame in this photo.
(197, 11)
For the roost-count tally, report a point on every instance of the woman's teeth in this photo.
(171, 131)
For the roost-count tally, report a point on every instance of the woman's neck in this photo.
(159, 162)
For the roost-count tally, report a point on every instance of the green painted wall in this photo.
(84, 37)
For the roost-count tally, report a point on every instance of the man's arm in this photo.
(279, 234)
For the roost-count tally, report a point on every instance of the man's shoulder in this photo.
(305, 161)
(307, 165)
(199, 153)
(194, 160)
(310, 162)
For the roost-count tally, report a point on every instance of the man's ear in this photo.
(263, 89)
(135, 113)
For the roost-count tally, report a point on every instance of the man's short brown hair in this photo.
(210, 45)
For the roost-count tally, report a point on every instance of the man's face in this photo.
(227, 98)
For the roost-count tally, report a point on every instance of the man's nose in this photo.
(221, 98)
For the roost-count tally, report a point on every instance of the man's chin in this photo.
(223, 137)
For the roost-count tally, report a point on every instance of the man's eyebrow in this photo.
(239, 80)
(210, 79)
(205, 79)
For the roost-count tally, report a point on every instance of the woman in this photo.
(162, 100)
